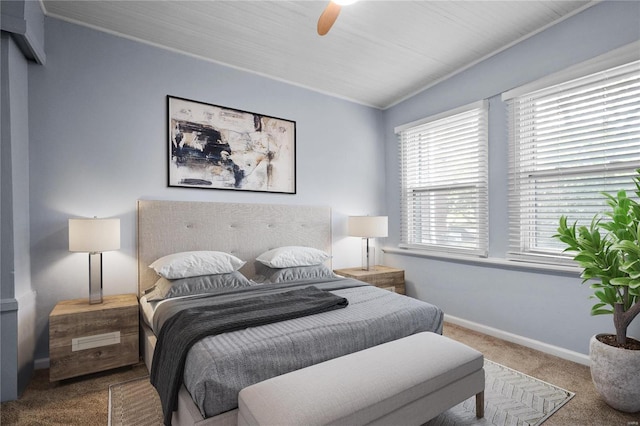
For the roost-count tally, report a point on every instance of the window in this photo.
(569, 142)
(444, 181)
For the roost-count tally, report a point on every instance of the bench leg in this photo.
(480, 405)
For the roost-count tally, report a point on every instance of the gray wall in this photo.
(97, 143)
(548, 307)
(98, 134)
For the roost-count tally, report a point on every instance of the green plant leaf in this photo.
(585, 257)
(608, 252)
(601, 312)
(621, 281)
(628, 246)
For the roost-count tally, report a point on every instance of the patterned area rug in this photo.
(134, 402)
(511, 398)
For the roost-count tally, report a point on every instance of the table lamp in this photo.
(368, 227)
(94, 236)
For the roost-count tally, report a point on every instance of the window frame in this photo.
(526, 226)
(409, 221)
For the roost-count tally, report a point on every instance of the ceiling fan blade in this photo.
(328, 17)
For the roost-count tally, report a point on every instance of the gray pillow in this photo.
(269, 275)
(166, 289)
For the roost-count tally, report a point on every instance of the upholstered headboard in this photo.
(244, 230)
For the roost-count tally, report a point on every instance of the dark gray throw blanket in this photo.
(180, 332)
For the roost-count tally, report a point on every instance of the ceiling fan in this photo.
(330, 14)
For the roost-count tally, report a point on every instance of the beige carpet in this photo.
(84, 401)
(586, 408)
(134, 402)
(511, 398)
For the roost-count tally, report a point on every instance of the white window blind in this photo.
(444, 164)
(569, 143)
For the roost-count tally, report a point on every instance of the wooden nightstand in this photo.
(86, 338)
(382, 276)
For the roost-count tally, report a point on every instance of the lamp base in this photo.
(95, 278)
(368, 256)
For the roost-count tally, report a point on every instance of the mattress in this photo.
(218, 367)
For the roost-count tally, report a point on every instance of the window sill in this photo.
(487, 261)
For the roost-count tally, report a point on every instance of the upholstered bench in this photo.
(404, 382)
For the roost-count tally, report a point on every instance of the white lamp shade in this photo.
(368, 226)
(94, 235)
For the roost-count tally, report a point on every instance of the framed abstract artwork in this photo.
(215, 147)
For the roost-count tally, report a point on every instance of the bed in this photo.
(217, 367)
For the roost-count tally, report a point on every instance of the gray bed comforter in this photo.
(218, 367)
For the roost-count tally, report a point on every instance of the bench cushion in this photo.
(367, 385)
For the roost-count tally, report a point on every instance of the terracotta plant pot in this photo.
(615, 374)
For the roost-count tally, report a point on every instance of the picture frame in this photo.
(216, 147)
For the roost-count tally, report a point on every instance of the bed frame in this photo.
(244, 230)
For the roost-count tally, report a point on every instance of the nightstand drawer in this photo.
(87, 338)
(382, 276)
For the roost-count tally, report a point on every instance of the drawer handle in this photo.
(95, 341)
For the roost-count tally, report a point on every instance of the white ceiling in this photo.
(377, 53)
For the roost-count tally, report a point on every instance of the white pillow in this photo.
(292, 256)
(195, 263)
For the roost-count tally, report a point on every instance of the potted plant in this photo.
(609, 253)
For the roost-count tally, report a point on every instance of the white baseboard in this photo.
(520, 340)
